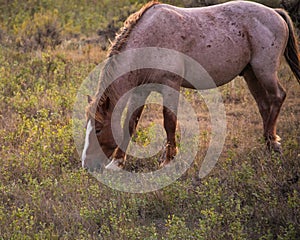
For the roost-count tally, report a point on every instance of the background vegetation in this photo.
(47, 49)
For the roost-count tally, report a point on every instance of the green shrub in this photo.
(40, 32)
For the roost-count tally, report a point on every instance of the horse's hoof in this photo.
(273, 144)
(165, 163)
(115, 165)
(277, 139)
(276, 146)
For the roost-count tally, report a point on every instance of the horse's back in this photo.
(218, 37)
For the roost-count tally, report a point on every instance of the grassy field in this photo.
(45, 194)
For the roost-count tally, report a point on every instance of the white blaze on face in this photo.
(89, 129)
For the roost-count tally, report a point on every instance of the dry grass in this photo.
(44, 193)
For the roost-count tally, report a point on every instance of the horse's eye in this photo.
(98, 131)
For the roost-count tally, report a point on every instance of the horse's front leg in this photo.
(170, 123)
(119, 157)
(130, 124)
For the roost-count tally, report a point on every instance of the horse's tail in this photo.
(291, 52)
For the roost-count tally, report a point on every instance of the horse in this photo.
(230, 39)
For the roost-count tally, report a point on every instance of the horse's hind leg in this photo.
(267, 78)
(277, 98)
(259, 94)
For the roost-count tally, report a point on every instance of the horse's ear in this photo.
(90, 99)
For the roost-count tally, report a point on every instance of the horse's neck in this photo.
(119, 88)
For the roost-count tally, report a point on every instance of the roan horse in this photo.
(230, 39)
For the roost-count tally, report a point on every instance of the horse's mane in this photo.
(129, 24)
(105, 75)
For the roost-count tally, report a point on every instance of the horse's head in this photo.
(98, 134)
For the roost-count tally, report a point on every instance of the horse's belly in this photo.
(223, 67)
(221, 63)
(221, 53)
